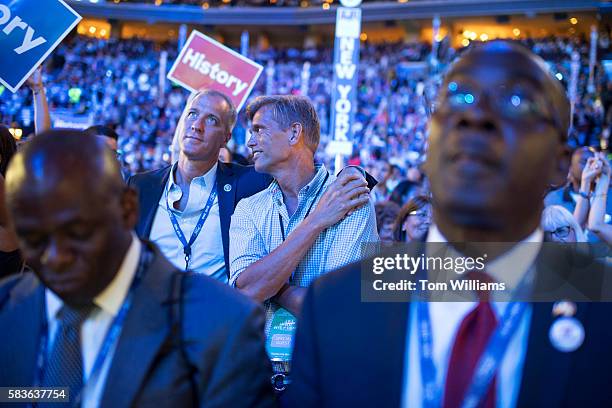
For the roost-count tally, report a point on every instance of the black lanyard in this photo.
(280, 219)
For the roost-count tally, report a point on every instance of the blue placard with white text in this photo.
(29, 31)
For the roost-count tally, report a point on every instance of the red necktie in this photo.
(470, 342)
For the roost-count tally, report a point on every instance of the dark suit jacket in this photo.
(222, 333)
(350, 353)
(243, 180)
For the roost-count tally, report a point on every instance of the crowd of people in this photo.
(115, 83)
(147, 288)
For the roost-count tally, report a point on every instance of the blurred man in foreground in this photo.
(105, 314)
(497, 142)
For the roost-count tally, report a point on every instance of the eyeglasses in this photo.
(420, 214)
(561, 232)
(516, 103)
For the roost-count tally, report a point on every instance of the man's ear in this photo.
(129, 207)
(564, 158)
(296, 132)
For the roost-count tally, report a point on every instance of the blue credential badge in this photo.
(279, 343)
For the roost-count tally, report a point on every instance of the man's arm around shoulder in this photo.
(267, 276)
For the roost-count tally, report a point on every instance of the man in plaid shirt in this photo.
(307, 222)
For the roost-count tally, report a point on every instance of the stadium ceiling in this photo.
(383, 11)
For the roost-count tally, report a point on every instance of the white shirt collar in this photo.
(207, 179)
(519, 259)
(434, 235)
(112, 297)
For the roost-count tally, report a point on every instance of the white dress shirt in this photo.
(207, 255)
(94, 328)
(446, 317)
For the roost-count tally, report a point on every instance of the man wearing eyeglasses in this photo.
(497, 140)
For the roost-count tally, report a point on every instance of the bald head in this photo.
(72, 212)
(68, 159)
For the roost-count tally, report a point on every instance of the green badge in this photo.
(279, 344)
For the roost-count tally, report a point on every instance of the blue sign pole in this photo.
(244, 43)
(182, 36)
(344, 88)
(27, 36)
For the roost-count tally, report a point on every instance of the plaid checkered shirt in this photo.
(255, 231)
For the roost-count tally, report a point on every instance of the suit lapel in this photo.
(226, 191)
(145, 329)
(397, 329)
(150, 195)
(545, 367)
(386, 330)
(27, 331)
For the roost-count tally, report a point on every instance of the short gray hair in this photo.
(289, 109)
(231, 111)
